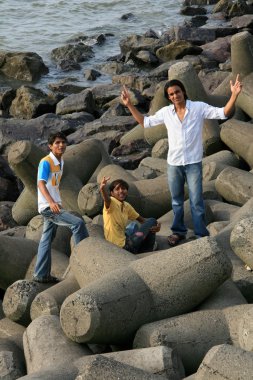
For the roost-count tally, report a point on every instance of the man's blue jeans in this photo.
(177, 176)
(139, 238)
(51, 221)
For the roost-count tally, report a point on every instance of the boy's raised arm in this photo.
(105, 195)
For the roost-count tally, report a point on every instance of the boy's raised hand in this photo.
(104, 182)
(236, 87)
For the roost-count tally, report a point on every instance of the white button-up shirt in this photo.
(185, 137)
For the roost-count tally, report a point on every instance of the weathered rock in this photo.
(192, 11)
(31, 102)
(91, 74)
(7, 94)
(195, 35)
(134, 43)
(72, 53)
(23, 66)
(83, 101)
(219, 49)
(176, 50)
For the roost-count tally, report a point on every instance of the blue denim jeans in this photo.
(51, 221)
(139, 238)
(192, 175)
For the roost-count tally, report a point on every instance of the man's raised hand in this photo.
(236, 87)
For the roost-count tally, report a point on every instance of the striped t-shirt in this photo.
(50, 171)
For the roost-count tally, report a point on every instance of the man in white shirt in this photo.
(184, 121)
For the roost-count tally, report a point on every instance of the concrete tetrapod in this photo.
(215, 163)
(17, 260)
(164, 284)
(24, 158)
(101, 367)
(193, 334)
(94, 257)
(242, 278)
(226, 362)
(45, 345)
(18, 299)
(12, 361)
(241, 240)
(49, 301)
(160, 360)
(226, 295)
(235, 185)
(238, 136)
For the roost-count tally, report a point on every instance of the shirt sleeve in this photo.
(156, 119)
(210, 112)
(43, 171)
(132, 214)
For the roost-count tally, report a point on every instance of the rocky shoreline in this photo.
(180, 313)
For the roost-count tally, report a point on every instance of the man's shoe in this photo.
(46, 280)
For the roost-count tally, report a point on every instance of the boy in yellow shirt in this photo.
(117, 213)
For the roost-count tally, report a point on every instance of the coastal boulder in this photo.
(71, 54)
(134, 43)
(177, 49)
(26, 66)
(31, 102)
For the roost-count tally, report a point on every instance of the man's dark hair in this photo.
(174, 82)
(53, 136)
(117, 182)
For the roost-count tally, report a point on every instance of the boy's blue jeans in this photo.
(139, 238)
(51, 221)
(177, 176)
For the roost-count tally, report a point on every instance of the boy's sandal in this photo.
(174, 239)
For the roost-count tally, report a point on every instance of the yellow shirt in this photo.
(116, 218)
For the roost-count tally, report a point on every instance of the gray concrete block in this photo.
(135, 295)
(45, 345)
(226, 362)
